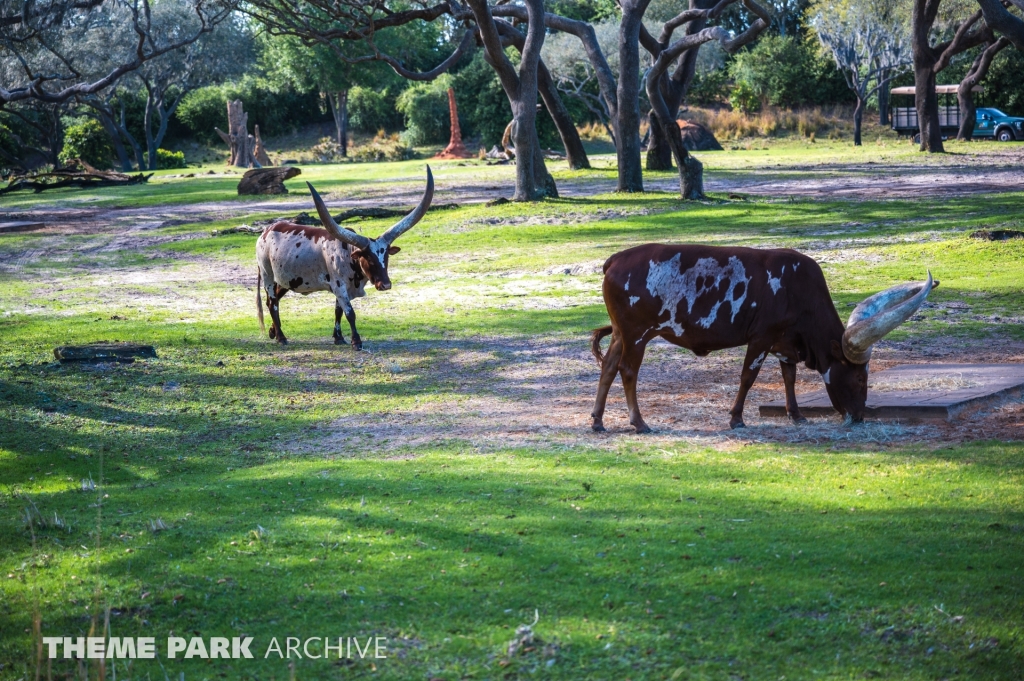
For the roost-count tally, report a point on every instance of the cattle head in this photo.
(371, 255)
(846, 378)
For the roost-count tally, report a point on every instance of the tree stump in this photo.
(266, 180)
(455, 148)
(258, 149)
(696, 137)
(244, 147)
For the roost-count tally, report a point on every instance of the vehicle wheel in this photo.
(1004, 135)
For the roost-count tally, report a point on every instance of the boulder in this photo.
(266, 180)
(697, 137)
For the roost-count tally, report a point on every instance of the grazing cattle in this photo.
(707, 298)
(293, 257)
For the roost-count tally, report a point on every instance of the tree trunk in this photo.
(858, 117)
(965, 92)
(575, 154)
(455, 148)
(927, 102)
(659, 149)
(259, 152)
(115, 138)
(237, 137)
(338, 102)
(627, 126)
(883, 99)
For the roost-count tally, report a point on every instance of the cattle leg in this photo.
(751, 368)
(608, 371)
(629, 369)
(789, 378)
(350, 315)
(273, 304)
(339, 339)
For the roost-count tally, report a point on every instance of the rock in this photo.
(103, 352)
(266, 180)
(997, 234)
(500, 201)
(696, 137)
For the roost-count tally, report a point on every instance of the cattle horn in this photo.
(338, 232)
(881, 313)
(406, 223)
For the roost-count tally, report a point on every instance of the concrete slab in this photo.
(922, 391)
(20, 226)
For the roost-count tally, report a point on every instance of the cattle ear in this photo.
(393, 249)
(837, 351)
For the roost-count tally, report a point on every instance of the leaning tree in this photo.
(965, 91)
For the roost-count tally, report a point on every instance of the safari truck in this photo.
(989, 123)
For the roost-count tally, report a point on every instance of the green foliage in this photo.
(743, 98)
(276, 111)
(425, 108)
(1004, 86)
(166, 160)
(709, 87)
(484, 110)
(787, 72)
(370, 110)
(86, 139)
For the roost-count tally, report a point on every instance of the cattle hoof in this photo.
(597, 427)
(281, 340)
(799, 419)
(340, 341)
(735, 425)
(642, 428)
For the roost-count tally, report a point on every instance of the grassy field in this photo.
(224, 504)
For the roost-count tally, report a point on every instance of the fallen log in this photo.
(103, 352)
(83, 180)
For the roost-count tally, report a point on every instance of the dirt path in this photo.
(866, 181)
(539, 393)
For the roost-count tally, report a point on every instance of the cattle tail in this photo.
(774, 301)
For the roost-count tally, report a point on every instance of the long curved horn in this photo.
(406, 223)
(881, 313)
(337, 231)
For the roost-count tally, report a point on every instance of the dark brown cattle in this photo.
(708, 298)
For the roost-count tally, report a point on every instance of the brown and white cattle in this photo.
(707, 298)
(303, 259)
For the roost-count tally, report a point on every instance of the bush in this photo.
(711, 87)
(425, 107)
(383, 147)
(86, 139)
(744, 99)
(277, 112)
(783, 71)
(166, 160)
(370, 110)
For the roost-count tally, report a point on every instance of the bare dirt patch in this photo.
(539, 393)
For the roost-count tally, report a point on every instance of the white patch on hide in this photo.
(633, 300)
(825, 376)
(756, 364)
(776, 282)
(665, 281)
(626, 287)
(795, 265)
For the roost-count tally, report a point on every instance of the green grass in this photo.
(643, 560)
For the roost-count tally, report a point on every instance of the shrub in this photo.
(786, 72)
(383, 147)
(166, 159)
(86, 139)
(425, 107)
(744, 99)
(326, 150)
(370, 110)
(710, 87)
(277, 112)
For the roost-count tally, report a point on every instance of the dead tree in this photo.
(246, 150)
(930, 59)
(455, 148)
(965, 93)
